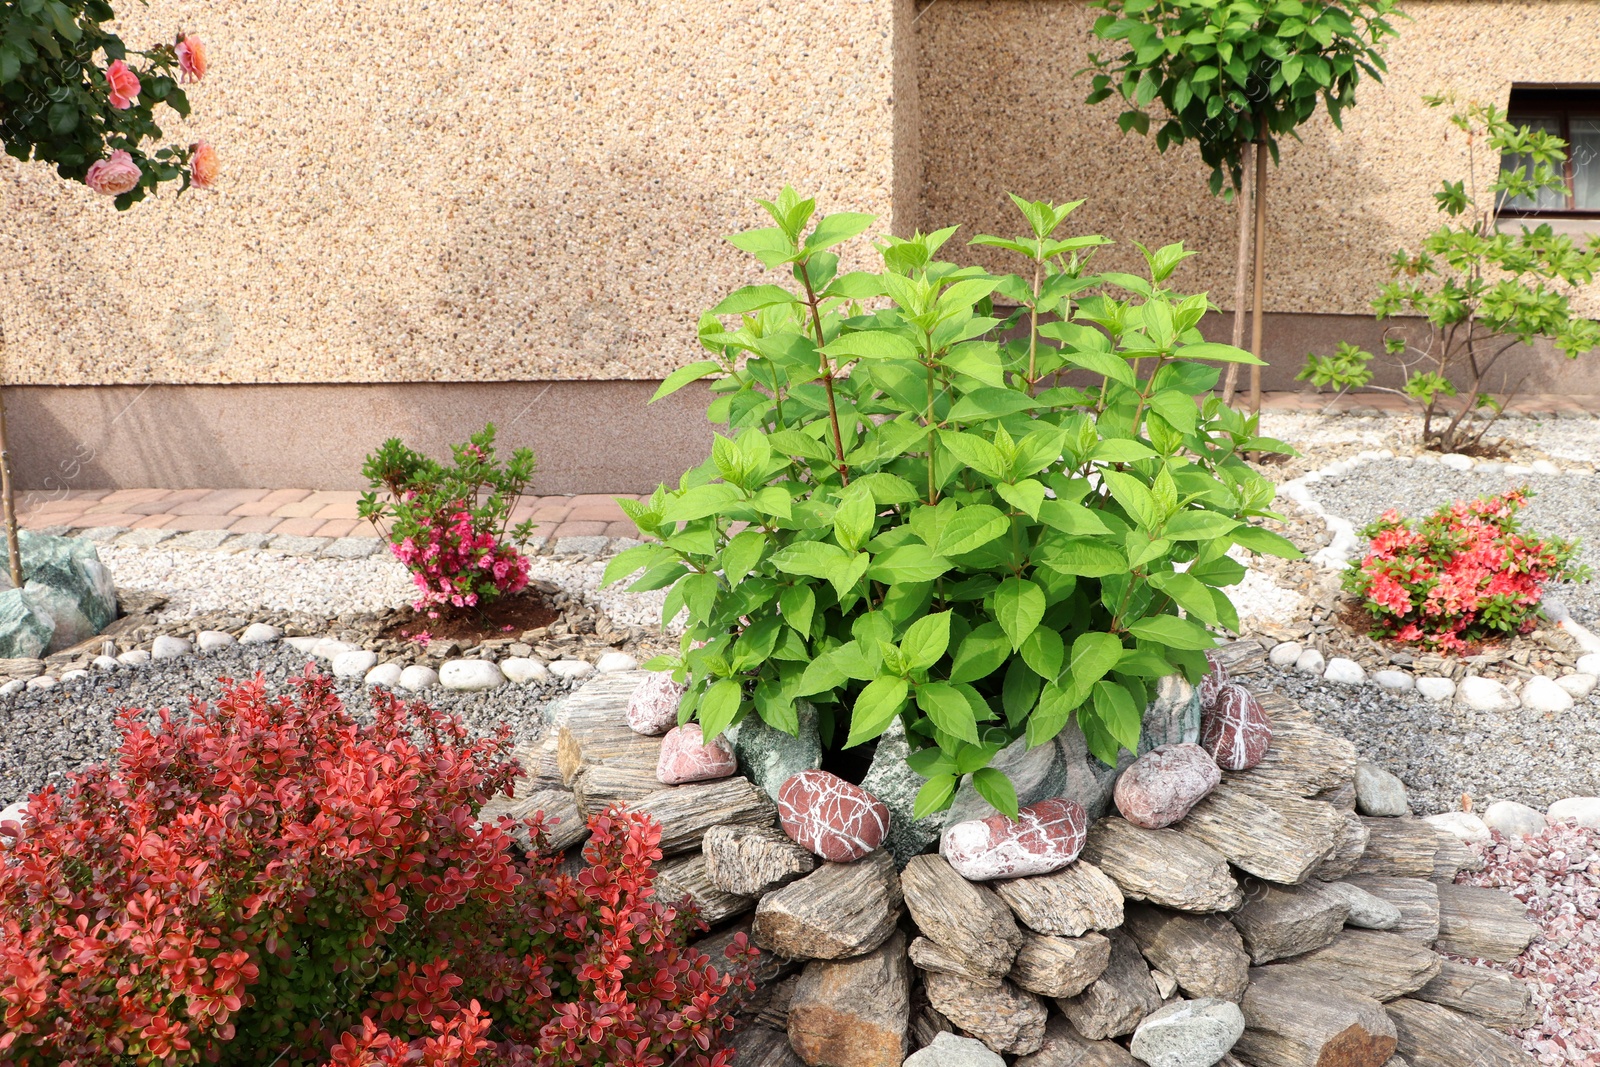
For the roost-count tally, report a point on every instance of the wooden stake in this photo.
(8, 495)
(1261, 268)
(1230, 384)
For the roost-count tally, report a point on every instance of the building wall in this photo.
(437, 190)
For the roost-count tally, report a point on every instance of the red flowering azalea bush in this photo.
(450, 525)
(271, 881)
(1465, 573)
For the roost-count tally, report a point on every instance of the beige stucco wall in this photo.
(1002, 110)
(455, 191)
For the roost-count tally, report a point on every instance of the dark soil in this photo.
(527, 610)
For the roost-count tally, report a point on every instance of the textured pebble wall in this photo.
(1002, 109)
(441, 190)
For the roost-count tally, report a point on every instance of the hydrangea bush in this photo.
(1466, 573)
(273, 881)
(450, 525)
(987, 523)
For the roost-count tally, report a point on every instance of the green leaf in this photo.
(934, 795)
(701, 502)
(1043, 651)
(684, 375)
(993, 786)
(630, 560)
(875, 708)
(980, 653)
(798, 603)
(822, 675)
(718, 707)
(838, 227)
(1219, 353)
(1027, 496)
(1118, 714)
(908, 563)
(1055, 709)
(1173, 632)
(1133, 495)
(1265, 541)
(1071, 518)
(1198, 526)
(1190, 594)
(1086, 558)
(814, 559)
(975, 452)
(852, 523)
(1120, 450)
(971, 529)
(949, 709)
(1018, 606)
(926, 640)
(1093, 656)
(872, 344)
(742, 554)
(845, 579)
(753, 298)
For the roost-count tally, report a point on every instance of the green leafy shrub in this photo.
(1482, 291)
(914, 517)
(449, 525)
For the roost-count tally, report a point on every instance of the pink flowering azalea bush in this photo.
(1465, 573)
(451, 525)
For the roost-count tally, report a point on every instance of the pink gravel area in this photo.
(1557, 875)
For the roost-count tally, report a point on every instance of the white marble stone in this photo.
(470, 675)
(13, 686)
(1311, 662)
(1456, 461)
(1344, 671)
(1585, 811)
(1284, 655)
(330, 648)
(1513, 819)
(1589, 664)
(169, 647)
(1544, 466)
(106, 663)
(354, 663)
(384, 674)
(1431, 687)
(1464, 826)
(260, 633)
(74, 675)
(524, 671)
(616, 662)
(571, 668)
(1397, 680)
(416, 678)
(1578, 686)
(1542, 694)
(1485, 694)
(303, 644)
(212, 640)
(43, 681)
(134, 657)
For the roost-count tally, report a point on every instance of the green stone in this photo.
(769, 757)
(25, 629)
(71, 585)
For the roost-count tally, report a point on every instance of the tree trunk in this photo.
(1261, 267)
(1241, 271)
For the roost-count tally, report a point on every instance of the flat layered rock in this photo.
(1066, 903)
(1065, 1047)
(1003, 1017)
(1205, 955)
(686, 812)
(1060, 966)
(586, 728)
(1483, 923)
(687, 877)
(762, 1046)
(1400, 848)
(854, 1012)
(1115, 1003)
(1290, 1025)
(769, 967)
(1452, 858)
(1281, 921)
(931, 956)
(565, 825)
(1280, 839)
(1432, 1036)
(1369, 963)
(1417, 899)
(1491, 997)
(967, 919)
(1303, 759)
(1165, 867)
(1347, 850)
(753, 859)
(598, 787)
(838, 910)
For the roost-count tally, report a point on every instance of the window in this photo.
(1574, 116)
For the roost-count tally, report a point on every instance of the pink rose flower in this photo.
(113, 176)
(191, 58)
(203, 165)
(124, 85)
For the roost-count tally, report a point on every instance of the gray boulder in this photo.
(892, 781)
(1173, 717)
(1035, 774)
(769, 757)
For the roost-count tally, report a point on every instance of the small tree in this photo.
(1232, 74)
(69, 96)
(1481, 291)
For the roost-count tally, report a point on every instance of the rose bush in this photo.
(1465, 573)
(273, 881)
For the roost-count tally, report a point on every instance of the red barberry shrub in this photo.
(272, 881)
(1465, 573)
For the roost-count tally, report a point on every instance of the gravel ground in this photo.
(1557, 875)
(46, 733)
(1441, 751)
(1565, 505)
